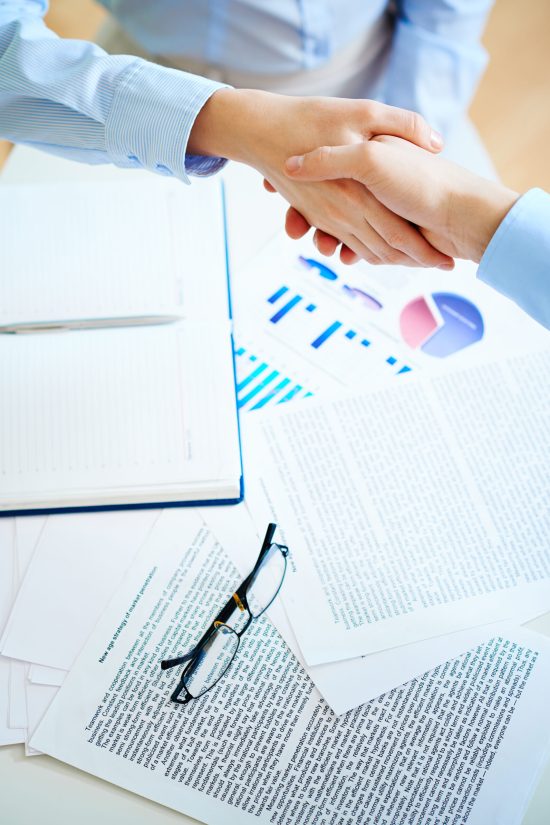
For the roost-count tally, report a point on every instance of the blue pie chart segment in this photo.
(462, 326)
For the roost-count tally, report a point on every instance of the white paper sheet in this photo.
(76, 567)
(407, 519)
(39, 699)
(9, 735)
(17, 713)
(464, 740)
(142, 269)
(27, 534)
(7, 568)
(346, 684)
(84, 449)
(41, 675)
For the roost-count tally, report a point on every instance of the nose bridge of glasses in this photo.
(238, 602)
(239, 618)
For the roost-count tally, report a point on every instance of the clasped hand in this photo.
(366, 176)
(263, 129)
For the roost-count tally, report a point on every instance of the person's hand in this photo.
(457, 211)
(263, 129)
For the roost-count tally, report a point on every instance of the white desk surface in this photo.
(41, 789)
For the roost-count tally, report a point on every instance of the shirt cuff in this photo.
(151, 117)
(517, 260)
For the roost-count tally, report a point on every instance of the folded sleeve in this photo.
(437, 58)
(517, 260)
(70, 98)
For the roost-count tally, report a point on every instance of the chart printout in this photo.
(307, 325)
(408, 520)
(462, 743)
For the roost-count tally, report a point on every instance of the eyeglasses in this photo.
(212, 656)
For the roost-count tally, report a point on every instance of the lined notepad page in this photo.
(111, 249)
(105, 410)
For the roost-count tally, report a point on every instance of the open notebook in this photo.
(133, 416)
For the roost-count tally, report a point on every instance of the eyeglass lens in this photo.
(218, 652)
(267, 581)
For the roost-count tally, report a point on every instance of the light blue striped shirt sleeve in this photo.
(70, 98)
(437, 58)
(517, 260)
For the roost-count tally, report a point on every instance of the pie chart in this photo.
(441, 325)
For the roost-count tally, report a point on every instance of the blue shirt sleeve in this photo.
(517, 260)
(437, 58)
(70, 98)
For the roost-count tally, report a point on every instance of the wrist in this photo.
(232, 124)
(263, 129)
(480, 212)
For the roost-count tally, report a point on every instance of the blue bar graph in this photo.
(326, 334)
(286, 308)
(251, 376)
(279, 294)
(258, 388)
(294, 391)
(271, 394)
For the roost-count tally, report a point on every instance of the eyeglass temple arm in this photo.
(180, 660)
(267, 542)
(228, 608)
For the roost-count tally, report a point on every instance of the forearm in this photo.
(71, 98)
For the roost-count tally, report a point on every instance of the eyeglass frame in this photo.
(239, 598)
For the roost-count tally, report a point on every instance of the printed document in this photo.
(465, 740)
(307, 325)
(414, 511)
(345, 685)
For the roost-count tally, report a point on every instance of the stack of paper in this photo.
(465, 738)
(390, 681)
(64, 570)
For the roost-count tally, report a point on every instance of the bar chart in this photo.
(259, 384)
(287, 304)
(305, 328)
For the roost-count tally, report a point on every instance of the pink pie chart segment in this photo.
(417, 323)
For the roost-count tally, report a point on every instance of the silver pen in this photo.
(89, 323)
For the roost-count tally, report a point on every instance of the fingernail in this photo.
(446, 267)
(436, 140)
(294, 163)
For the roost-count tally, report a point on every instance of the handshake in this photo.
(367, 177)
